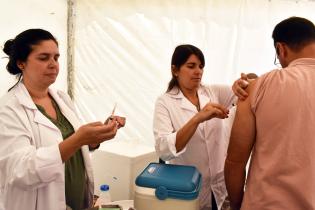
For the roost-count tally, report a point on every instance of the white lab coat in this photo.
(206, 149)
(32, 172)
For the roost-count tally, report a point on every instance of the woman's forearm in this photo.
(68, 147)
(186, 132)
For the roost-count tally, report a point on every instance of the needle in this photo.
(112, 115)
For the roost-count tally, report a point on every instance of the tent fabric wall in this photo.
(123, 47)
(123, 50)
(17, 16)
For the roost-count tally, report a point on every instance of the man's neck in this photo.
(307, 52)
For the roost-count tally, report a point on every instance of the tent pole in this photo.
(70, 47)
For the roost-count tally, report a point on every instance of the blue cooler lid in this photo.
(171, 181)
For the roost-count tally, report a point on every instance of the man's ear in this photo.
(277, 50)
(278, 46)
(282, 49)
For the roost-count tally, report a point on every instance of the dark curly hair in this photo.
(19, 48)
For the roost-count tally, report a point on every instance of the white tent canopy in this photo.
(18, 15)
(123, 48)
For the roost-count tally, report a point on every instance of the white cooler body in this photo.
(145, 199)
(118, 164)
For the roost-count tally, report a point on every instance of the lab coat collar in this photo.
(23, 96)
(185, 103)
(25, 100)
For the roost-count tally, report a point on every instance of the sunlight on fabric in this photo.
(124, 48)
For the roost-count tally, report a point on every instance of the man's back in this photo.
(282, 170)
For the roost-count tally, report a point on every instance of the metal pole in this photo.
(70, 47)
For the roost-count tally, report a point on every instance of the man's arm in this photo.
(241, 142)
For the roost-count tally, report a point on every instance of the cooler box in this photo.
(167, 187)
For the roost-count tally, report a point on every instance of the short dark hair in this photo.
(296, 32)
(180, 56)
(19, 48)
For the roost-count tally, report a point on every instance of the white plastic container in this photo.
(118, 163)
(104, 197)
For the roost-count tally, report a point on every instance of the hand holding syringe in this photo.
(120, 121)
